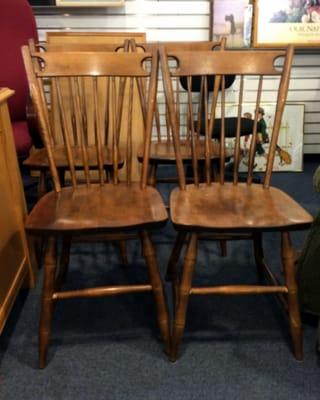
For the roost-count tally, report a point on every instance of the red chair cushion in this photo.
(22, 138)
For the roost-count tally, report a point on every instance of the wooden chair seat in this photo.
(96, 208)
(39, 159)
(163, 152)
(236, 208)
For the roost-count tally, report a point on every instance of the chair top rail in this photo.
(244, 62)
(92, 64)
(112, 47)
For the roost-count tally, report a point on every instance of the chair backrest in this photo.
(161, 114)
(98, 41)
(108, 106)
(80, 47)
(17, 25)
(253, 68)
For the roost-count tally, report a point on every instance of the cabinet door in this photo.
(14, 255)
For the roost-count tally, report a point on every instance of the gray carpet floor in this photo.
(109, 348)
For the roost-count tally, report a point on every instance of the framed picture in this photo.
(89, 3)
(278, 23)
(232, 19)
(289, 151)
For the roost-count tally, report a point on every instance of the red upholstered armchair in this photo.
(17, 25)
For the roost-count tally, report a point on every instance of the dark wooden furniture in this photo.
(111, 205)
(17, 262)
(216, 206)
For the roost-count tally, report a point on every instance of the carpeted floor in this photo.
(109, 348)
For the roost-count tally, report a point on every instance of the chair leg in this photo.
(47, 301)
(171, 274)
(62, 176)
(157, 287)
(174, 257)
(288, 260)
(184, 293)
(64, 261)
(42, 185)
(152, 178)
(258, 253)
(123, 251)
(223, 247)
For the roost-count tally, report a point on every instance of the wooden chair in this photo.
(73, 41)
(89, 208)
(38, 160)
(100, 41)
(217, 206)
(162, 148)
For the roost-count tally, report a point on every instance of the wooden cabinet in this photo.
(16, 266)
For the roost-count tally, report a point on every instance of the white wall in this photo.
(189, 20)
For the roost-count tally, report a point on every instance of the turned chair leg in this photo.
(64, 261)
(62, 176)
(184, 293)
(152, 178)
(157, 287)
(122, 245)
(171, 274)
(288, 261)
(258, 254)
(223, 247)
(42, 185)
(50, 262)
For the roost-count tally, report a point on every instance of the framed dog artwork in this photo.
(289, 150)
(232, 19)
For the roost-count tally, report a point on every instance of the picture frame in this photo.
(279, 23)
(233, 20)
(289, 152)
(89, 3)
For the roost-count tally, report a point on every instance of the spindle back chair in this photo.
(162, 148)
(112, 204)
(38, 159)
(216, 206)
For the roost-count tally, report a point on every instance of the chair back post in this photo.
(169, 92)
(281, 101)
(253, 143)
(238, 129)
(44, 126)
(151, 107)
